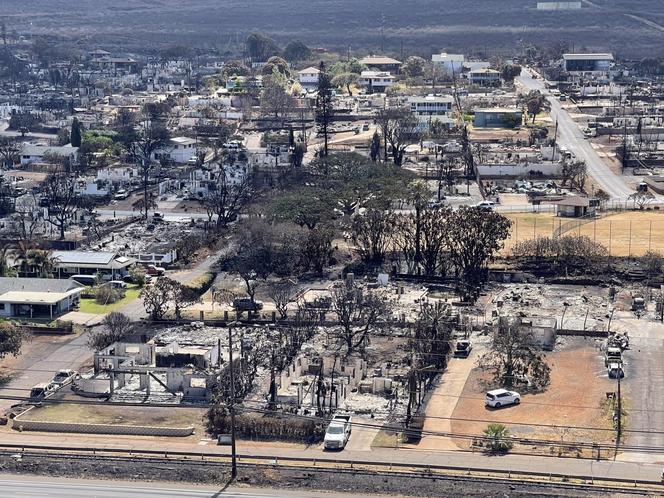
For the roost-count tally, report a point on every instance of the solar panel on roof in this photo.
(83, 257)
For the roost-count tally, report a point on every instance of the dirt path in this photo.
(443, 402)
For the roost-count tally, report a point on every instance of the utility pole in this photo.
(231, 404)
(619, 411)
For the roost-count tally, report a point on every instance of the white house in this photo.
(450, 63)
(32, 153)
(309, 78)
(588, 64)
(484, 77)
(108, 264)
(179, 150)
(431, 105)
(37, 297)
(376, 81)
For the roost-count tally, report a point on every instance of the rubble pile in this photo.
(583, 308)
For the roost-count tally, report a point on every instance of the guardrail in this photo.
(320, 464)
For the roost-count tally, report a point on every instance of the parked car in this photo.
(193, 160)
(87, 280)
(337, 433)
(118, 284)
(615, 370)
(612, 354)
(501, 397)
(64, 377)
(121, 194)
(41, 390)
(463, 349)
(486, 205)
(246, 304)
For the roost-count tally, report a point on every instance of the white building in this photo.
(31, 153)
(588, 64)
(484, 77)
(431, 105)
(309, 78)
(376, 81)
(179, 150)
(450, 63)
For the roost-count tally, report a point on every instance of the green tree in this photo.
(11, 339)
(535, 103)
(324, 110)
(296, 51)
(260, 48)
(277, 64)
(346, 80)
(307, 207)
(509, 72)
(414, 67)
(497, 438)
(75, 136)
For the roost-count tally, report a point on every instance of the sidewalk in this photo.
(454, 459)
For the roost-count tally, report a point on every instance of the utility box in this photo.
(224, 440)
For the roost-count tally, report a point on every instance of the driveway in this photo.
(443, 401)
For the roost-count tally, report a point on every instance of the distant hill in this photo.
(422, 26)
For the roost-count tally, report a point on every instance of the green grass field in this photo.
(92, 306)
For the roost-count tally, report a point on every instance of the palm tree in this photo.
(498, 439)
(6, 269)
(41, 263)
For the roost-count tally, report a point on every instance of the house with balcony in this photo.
(376, 81)
(308, 78)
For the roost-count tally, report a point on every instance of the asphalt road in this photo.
(571, 137)
(35, 487)
(642, 386)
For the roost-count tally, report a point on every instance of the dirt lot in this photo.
(623, 234)
(119, 415)
(565, 403)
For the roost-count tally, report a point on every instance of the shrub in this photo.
(137, 274)
(203, 283)
(498, 439)
(255, 426)
(108, 295)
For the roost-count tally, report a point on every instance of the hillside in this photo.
(422, 26)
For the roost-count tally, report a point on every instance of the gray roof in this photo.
(89, 259)
(13, 284)
(66, 257)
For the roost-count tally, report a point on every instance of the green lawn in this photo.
(91, 306)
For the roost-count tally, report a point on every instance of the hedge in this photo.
(259, 426)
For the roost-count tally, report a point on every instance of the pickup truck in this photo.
(338, 432)
(154, 271)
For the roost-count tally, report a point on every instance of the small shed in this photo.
(576, 206)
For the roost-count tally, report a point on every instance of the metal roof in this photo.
(84, 257)
(40, 285)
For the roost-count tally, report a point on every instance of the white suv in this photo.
(501, 397)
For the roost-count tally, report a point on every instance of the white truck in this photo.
(338, 432)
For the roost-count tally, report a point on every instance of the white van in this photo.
(501, 397)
